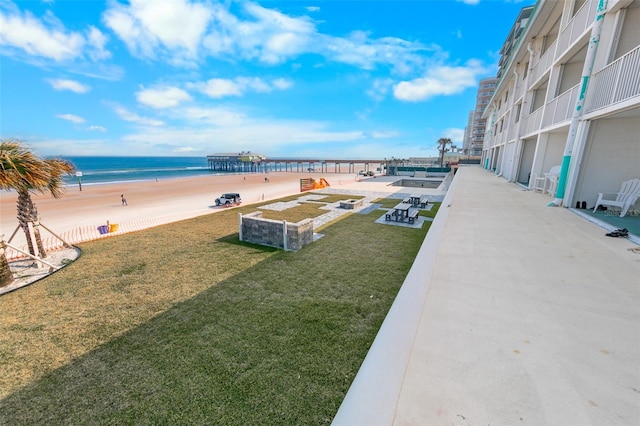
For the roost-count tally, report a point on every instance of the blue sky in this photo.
(320, 79)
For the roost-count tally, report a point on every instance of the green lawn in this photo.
(185, 324)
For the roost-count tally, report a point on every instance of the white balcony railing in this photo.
(531, 123)
(617, 82)
(561, 107)
(544, 63)
(577, 25)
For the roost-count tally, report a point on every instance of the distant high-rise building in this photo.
(474, 132)
(466, 139)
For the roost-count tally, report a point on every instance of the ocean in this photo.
(102, 170)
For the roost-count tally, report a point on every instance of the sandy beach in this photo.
(97, 204)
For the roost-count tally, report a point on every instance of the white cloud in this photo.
(203, 127)
(220, 117)
(380, 88)
(456, 135)
(27, 33)
(267, 35)
(440, 80)
(183, 33)
(151, 27)
(185, 149)
(313, 8)
(96, 129)
(72, 85)
(163, 97)
(95, 44)
(282, 83)
(127, 115)
(359, 49)
(71, 117)
(260, 136)
(47, 38)
(471, 2)
(221, 87)
(384, 134)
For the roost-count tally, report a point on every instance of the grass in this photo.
(185, 324)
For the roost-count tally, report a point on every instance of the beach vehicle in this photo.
(229, 199)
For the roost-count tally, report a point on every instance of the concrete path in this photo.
(516, 314)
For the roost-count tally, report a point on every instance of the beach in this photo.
(179, 197)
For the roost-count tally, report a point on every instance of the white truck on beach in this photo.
(229, 199)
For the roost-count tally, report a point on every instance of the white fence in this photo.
(84, 234)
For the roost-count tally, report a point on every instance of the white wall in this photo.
(508, 161)
(612, 155)
(630, 34)
(555, 150)
(526, 162)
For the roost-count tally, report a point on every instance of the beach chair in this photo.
(551, 180)
(625, 198)
(537, 183)
(546, 183)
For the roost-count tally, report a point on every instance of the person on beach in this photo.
(124, 200)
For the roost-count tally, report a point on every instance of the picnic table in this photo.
(418, 200)
(402, 211)
(414, 200)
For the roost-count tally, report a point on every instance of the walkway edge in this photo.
(373, 396)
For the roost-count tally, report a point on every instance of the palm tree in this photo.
(442, 147)
(23, 171)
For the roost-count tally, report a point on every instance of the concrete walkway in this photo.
(514, 313)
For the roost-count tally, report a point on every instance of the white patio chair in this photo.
(625, 198)
(551, 180)
(537, 183)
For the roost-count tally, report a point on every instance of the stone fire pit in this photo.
(351, 204)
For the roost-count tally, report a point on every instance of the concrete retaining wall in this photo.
(275, 233)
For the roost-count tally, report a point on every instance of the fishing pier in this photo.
(247, 162)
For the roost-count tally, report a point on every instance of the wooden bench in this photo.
(413, 215)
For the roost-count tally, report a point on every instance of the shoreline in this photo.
(188, 196)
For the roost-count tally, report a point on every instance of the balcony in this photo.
(615, 83)
(531, 123)
(577, 25)
(561, 107)
(544, 63)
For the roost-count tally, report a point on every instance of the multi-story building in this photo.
(466, 139)
(568, 95)
(486, 88)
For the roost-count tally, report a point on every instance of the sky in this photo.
(304, 79)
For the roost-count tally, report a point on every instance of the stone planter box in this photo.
(351, 204)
